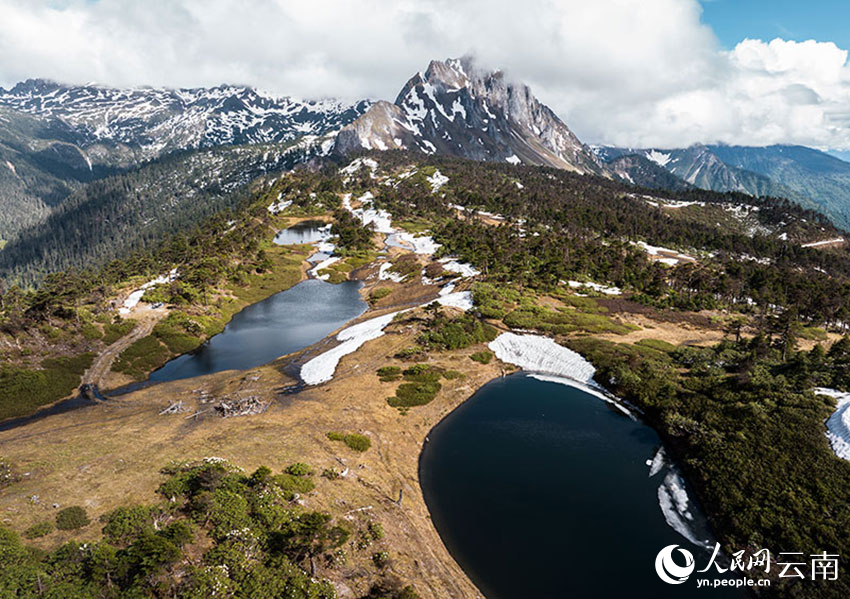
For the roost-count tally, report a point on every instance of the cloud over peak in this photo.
(629, 73)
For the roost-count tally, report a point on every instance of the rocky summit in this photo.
(458, 109)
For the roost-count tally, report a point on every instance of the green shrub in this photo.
(657, 344)
(291, 484)
(141, 357)
(39, 530)
(90, 331)
(299, 469)
(113, 331)
(127, 523)
(331, 473)
(482, 357)
(410, 353)
(23, 390)
(353, 440)
(72, 518)
(389, 373)
(376, 531)
(380, 293)
(414, 394)
(422, 373)
(456, 333)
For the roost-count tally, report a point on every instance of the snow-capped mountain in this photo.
(458, 109)
(808, 177)
(156, 121)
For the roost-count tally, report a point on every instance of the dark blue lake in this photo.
(541, 490)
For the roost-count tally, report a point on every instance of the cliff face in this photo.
(457, 109)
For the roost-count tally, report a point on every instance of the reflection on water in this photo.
(284, 323)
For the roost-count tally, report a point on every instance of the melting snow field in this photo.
(135, 297)
(543, 356)
(321, 368)
(838, 425)
(385, 275)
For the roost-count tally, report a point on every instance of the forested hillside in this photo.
(108, 218)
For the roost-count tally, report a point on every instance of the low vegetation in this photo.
(354, 441)
(23, 390)
(217, 532)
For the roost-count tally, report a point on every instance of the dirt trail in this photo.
(102, 364)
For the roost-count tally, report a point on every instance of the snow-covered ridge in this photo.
(160, 119)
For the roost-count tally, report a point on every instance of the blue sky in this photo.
(821, 20)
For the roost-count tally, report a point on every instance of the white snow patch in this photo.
(422, 244)
(380, 219)
(838, 425)
(658, 461)
(321, 368)
(513, 159)
(458, 299)
(596, 287)
(659, 158)
(279, 206)
(461, 268)
(321, 265)
(673, 499)
(385, 275)
(542, 355)
(437, 180)
(824, 242)
(133, 299)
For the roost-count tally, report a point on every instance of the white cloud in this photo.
(618, 71)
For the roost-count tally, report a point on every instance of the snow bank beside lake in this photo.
(321, 265)
(542, 355)
(321, 368)
(838, 425)
(674, 502)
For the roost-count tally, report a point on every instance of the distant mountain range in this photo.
(55, 137)
(57, 141)
(809, 177)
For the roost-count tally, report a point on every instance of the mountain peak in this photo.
(459, 109)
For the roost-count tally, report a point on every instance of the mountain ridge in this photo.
(456, 108)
